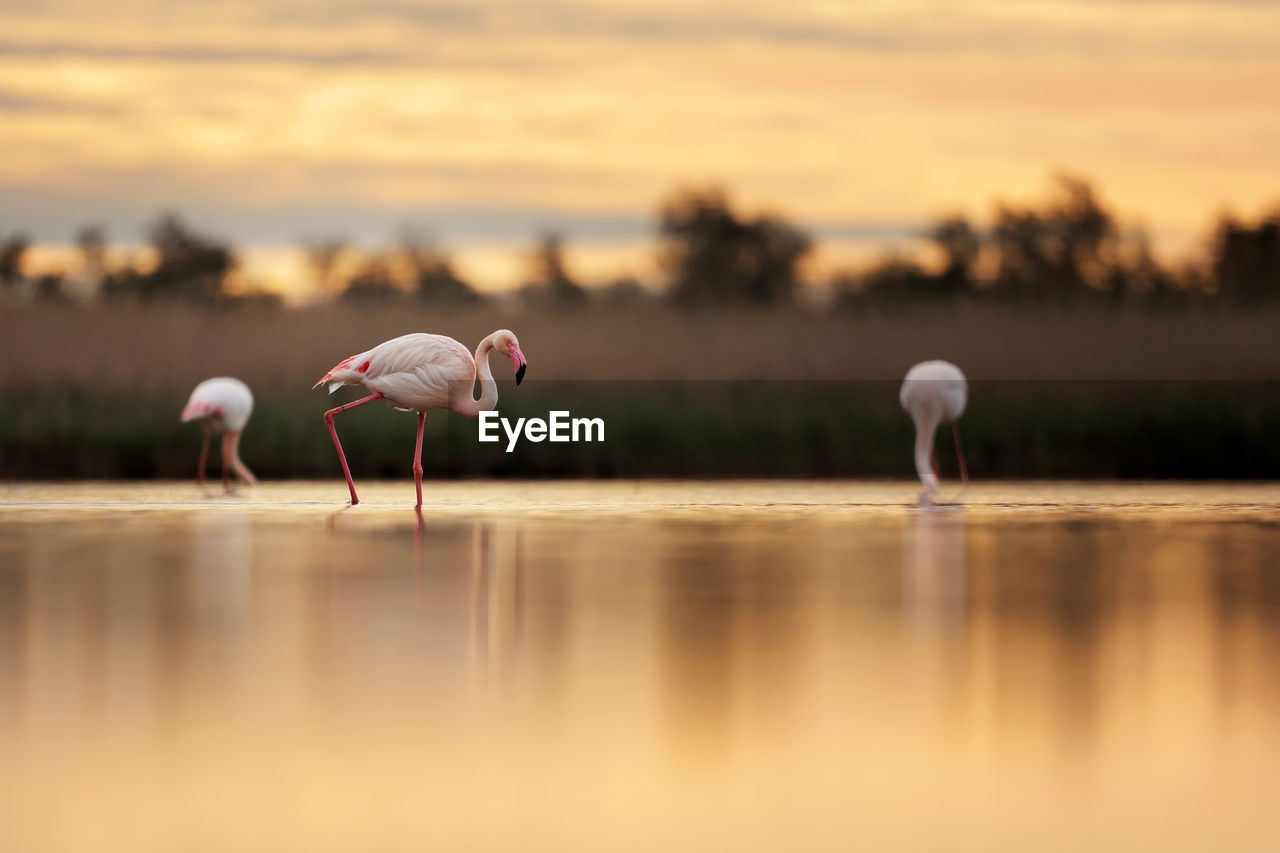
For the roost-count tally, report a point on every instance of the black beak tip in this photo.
(520, 374)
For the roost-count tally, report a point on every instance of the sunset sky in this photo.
(484, 122)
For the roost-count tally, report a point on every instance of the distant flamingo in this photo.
(222, 405)
(934, 392)
(420, 373)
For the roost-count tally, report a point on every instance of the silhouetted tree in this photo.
(188, 266)
(433, 274)
(1194, 278)
(50, 287)
(12, 251)
(1245, 259)
(894, 278)
(323, 256)
(263, 299)
(1139, 277)
(91, 241)
(625, 290)
(373, 282)
(437, 281)
(898, 278)
(550, 279)
(1065, 248)
(710, 253)
(960, 244)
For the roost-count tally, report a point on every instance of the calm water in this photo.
(622, 666)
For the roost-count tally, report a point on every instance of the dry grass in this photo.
(167, 347)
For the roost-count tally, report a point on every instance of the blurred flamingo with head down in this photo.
(222, 405)
(421, 373)
(934, 392)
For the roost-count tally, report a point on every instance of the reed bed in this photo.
(694, 428)
(1078, 392)
(155, 347)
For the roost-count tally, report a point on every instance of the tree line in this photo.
(1066, 247)
(1070, 247)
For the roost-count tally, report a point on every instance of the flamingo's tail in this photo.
(328, 377)
(345, 372)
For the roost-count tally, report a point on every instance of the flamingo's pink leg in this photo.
(417, 458)
(328, 420)
(204, 455)
(237, 464)
(226, 462)
(964, 474)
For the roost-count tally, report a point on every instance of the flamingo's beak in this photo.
(518, 359)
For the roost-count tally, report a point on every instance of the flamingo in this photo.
(420, 373)
(222, 405)
(934, 392)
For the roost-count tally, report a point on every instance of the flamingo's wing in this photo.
(417, 371)
(408, 352)
(224, 398)
(421, 371)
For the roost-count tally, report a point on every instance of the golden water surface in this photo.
(639, 666)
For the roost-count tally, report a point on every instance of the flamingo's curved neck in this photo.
(926, 425)
(488, 388)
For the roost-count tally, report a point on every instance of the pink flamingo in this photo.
(934, 392)
(222, 405)
(420, 373)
